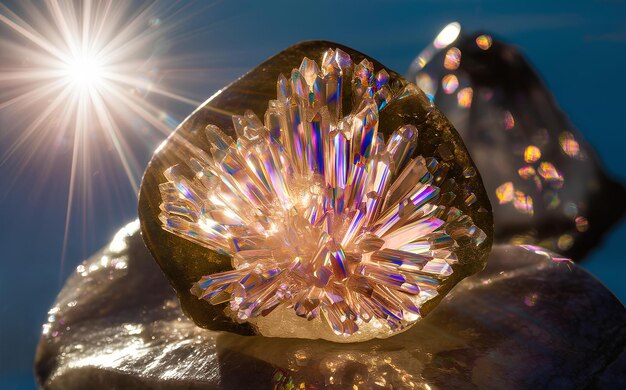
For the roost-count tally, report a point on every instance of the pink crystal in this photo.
(317, 212)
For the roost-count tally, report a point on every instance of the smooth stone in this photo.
(504, 83)
(526, 321)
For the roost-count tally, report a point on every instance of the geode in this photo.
(309, 223)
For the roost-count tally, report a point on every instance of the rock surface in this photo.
(546, 184)
(526, 321)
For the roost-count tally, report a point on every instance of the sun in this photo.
(85, 71)
(85, 77)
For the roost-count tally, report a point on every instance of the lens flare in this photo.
(84, 77)
(85, 71)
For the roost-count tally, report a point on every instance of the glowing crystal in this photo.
(532, 154)
(449, 83)
(505, 193)
(484, 41)
(464, 97)
(469, 172)
(452, 59)
(569, 145)
(523, 203)
(319, 214)
(550, 174)
(526, 172)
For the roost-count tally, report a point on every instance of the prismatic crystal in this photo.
(318, 212)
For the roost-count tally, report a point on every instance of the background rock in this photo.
(503, 110)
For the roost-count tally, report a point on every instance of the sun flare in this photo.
(84, 71)
(84, 77)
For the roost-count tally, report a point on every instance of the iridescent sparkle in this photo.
(449, 83)
(452, 59)
(464, 97)
(317, 211)
(484, 42)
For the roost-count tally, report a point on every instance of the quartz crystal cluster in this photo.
(320, 214)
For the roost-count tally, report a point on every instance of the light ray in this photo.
(86, 78)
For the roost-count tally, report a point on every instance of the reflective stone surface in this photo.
(546, 185)
(529, 320)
